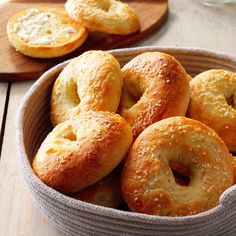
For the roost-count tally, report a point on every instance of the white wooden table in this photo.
(189, 24)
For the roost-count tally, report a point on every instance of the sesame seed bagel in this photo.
(44, 32)
(108, 16)
(213, 102)
(147, 181)
(87, 83)
(81, 151)
(156, 86)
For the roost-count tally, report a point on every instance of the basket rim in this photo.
(33, 181)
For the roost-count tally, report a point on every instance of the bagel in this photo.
(106, 192)
(81, 151)
(147, 182)
(108, 16)
(87, 83)
(156, 86)
(213, 99)
(233, 159)
(44, 32)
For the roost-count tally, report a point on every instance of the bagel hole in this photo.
(105, 7)
(181, 173)
(230, 101)
(70, 136)
(131, 97)
(74, 94)
(132, 100)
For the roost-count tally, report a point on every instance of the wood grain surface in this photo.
(18, 213)
(16, 66)
(193, 24)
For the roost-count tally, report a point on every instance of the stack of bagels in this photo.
(45, 32)
(147, 135)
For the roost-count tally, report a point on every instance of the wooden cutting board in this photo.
(15, 67)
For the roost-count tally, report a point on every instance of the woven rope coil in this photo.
(74, 217)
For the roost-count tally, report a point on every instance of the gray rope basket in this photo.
(74, 217)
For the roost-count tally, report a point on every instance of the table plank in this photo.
(3, 94)
(192, 24)
(18, 214)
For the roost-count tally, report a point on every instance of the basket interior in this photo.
(36, 120)
(34, 125)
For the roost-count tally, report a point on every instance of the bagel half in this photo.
(44, 32)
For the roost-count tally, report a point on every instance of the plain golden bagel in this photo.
(81, 151)
(213, 102)
(108, 16)
(106, 192)
(44, 32)
(147, 181)
(156, 86)
(92, 81)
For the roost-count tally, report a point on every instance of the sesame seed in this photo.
(226, 114)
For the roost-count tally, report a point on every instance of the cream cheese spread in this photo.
(44, 28)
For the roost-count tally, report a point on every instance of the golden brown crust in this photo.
(92, 81)
(81, 151)
(147, 181)
(233, 159)
(211, 91)
(106, 192)
(45, 45)
(155, 87)
(109, 16)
